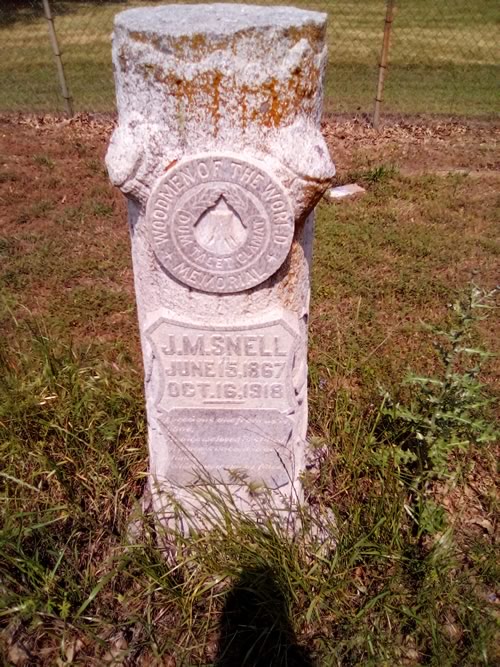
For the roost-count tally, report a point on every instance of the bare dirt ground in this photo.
(416, 146)
(53, 186)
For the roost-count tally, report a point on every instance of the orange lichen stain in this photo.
(277, 105)
(216, 103)
(304, 87)
(273, 103)
(203, 91)
(170, 165)
(313, 34)
(243, 92)
(122, 58)
(145, 38)
(148, 69)
(137, 36)
(284, 99)
(191, 47)
(271, 112)
(198, 46)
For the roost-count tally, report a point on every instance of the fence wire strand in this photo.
(443, 56)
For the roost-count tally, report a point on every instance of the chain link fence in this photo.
(442, 57)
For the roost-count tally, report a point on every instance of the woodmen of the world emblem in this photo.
(219, 223)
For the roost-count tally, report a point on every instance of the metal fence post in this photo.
(57, 57)
(384, 56)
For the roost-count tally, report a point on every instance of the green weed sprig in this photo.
(448, 414)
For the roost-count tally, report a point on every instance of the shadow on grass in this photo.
(255, 627)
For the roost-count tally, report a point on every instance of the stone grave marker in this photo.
(219, 152)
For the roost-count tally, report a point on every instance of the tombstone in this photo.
(219, 153)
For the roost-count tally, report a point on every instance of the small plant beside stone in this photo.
(446, 416)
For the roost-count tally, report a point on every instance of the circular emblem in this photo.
(219, 223)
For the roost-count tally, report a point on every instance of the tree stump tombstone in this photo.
(219, 153)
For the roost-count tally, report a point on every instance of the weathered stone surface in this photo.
(219, 152)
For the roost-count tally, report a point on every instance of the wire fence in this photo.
(442, 57)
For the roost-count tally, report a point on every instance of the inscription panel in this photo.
(219, 223)
(226, 367)
(225, 398)
(229, 446)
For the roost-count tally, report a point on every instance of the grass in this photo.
(443, 59)
(358, 584)
(72, 432)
